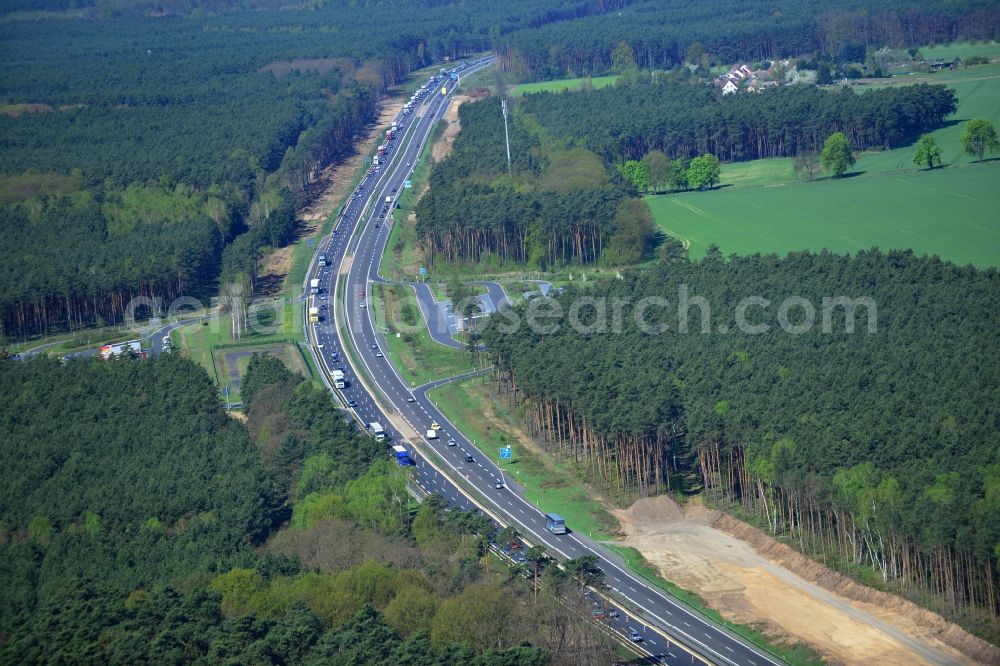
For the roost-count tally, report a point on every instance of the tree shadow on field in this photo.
(846, 176)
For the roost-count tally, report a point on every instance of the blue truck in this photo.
(402, 455)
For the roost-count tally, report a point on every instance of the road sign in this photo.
(506, 452)
(423, 271)
(407, 184)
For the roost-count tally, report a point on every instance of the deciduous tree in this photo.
(637, 173)
(657, 169)
(978, 137)
(806, 164)
(837, 156)
(928, 153)
(703, 171)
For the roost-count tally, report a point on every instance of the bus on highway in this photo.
(555, 524)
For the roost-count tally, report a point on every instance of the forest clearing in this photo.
(789, 595)
(559, 85)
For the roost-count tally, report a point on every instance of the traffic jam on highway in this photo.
(642, 615)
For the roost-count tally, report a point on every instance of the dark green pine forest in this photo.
(875, 451)
(664, 35)
(684, 120)
(185, 135)
(566, 206)
(139, 523)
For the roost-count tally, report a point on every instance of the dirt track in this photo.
(769, 585)
(442, 147)
(333, 184)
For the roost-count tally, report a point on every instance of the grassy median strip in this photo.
(400, 260)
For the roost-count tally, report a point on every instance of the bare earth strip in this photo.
(337, 178)
(442, 147)
(334, 183)
(752, 579)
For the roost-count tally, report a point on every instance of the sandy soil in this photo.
(336, 179)
(333, 184)
(694, 548)
(442, 148)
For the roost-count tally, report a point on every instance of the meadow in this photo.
(948, 212)
(763, 206)
(559, 85)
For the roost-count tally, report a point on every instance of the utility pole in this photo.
(506, 133)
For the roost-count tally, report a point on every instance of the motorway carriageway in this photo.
(649, 610)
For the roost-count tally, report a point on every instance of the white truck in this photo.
(338, 379)
(314, 286)
(388, 200)
(314, 315)
(432, 434)
(377, 431)
(122, 349)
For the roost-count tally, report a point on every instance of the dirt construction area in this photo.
(754, 580)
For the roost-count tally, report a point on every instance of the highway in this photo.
(353, 252)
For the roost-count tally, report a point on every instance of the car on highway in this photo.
(498, 484)
(379, 355)
(435, 425)
(469, 458)
(452, 442)
(352, 403)
(634, 635)
(411, 399)
(374, 346)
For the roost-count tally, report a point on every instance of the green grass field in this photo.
(977, 98)
(949, 212)
(202, 342)
(961, 50)
(560, 85)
